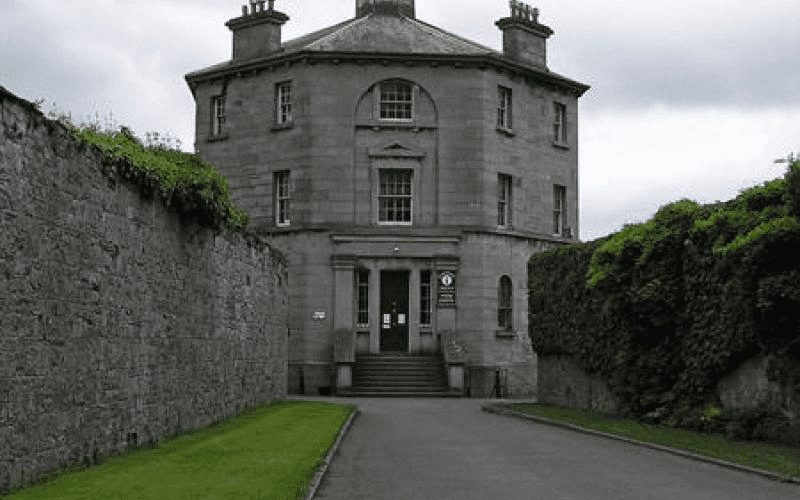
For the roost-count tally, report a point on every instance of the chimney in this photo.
(388, 7)
(257, 33)
(524, 39)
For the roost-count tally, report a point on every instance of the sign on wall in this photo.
(447, 289)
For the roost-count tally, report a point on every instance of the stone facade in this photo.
(328, 157)
(120, 323)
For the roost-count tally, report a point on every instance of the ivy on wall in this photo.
(664, 309)
(181, 180)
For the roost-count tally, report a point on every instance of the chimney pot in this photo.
(257, 34)
(524, 39)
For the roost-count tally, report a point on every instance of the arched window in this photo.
(505, 311)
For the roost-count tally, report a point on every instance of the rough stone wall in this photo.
(749, 386)
(562, 381)
(120, 323)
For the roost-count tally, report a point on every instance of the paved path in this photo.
(441, 449)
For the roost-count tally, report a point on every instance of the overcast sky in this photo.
(689, 98)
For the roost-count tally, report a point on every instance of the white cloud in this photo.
(633, 163)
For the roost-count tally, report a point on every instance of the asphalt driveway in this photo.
(441, 449)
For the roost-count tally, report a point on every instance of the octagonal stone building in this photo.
(409, 174)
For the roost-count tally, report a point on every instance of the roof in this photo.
(385, 33)
(389, 35)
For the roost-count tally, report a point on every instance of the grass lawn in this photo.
(780, 459)
(270, 452)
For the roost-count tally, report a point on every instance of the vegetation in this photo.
(182, 180)
(267, 452)
(779, 459)
(662, 310)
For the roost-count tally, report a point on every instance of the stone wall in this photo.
(120, 323)
(562, 381)
(749, 386)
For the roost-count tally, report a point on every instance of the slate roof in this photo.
(385, 33)
(390, 34)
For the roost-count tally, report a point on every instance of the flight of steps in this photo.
(384, 375)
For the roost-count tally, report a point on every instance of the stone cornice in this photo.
(496, 61)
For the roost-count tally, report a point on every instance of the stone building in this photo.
(409, 173)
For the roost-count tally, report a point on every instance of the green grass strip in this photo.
(269, 452)
(780, 459)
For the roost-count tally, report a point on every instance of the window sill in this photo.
(505, 335)
(282, 126)
(217, 138)
(560, 145)
(395, 224)
(506, 131)
(425, 330)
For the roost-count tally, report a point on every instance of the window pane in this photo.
(425, 298)
(504, 309)
(396, 101)
(284, 101)
(282, 197)
(395, 196)
(363, 296)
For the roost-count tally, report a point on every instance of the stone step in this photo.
(441, 392)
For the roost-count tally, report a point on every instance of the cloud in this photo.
(632, 163)
(688, 99)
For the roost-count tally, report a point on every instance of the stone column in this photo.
(343, 327)
(446, 324)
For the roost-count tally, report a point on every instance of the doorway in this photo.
(394, 311)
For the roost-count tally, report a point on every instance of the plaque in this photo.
(447, 289)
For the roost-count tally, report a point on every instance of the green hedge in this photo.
(664, 309)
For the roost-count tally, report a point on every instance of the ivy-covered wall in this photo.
(122, 319)
(664, 309)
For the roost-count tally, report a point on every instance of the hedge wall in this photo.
(662, 310)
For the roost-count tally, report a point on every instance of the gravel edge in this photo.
(724, 463)
(323, 468)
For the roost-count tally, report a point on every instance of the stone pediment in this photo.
(396, 149)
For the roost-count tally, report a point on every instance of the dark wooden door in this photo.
(394, 311)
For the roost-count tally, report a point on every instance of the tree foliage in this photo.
(664, 309)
